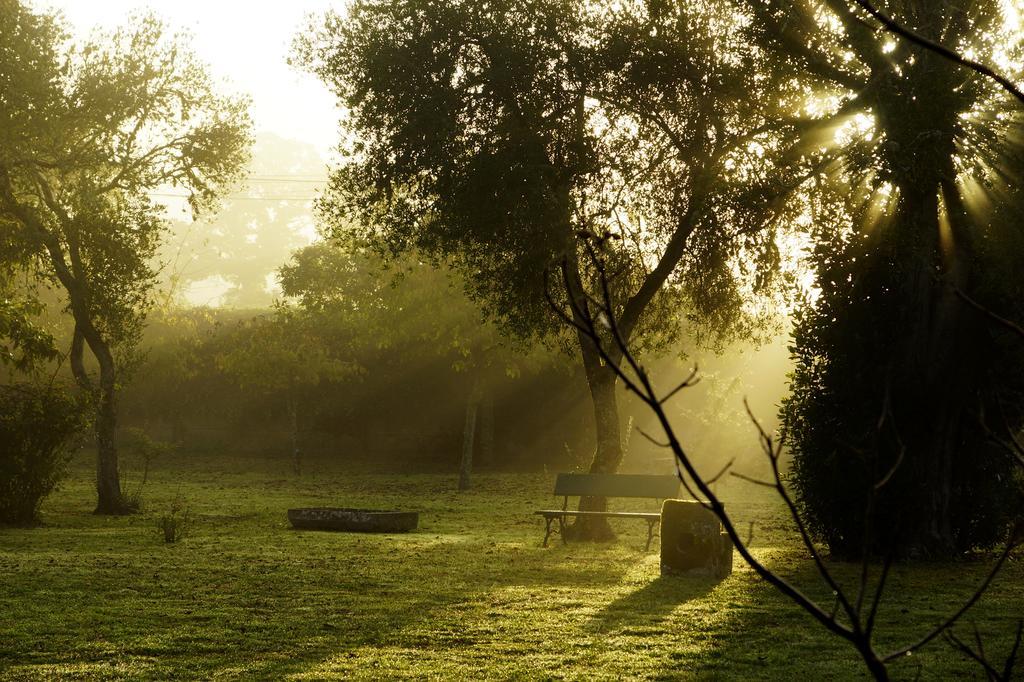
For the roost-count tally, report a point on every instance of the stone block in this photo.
(692, 541)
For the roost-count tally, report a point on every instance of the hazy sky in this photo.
(246, 43)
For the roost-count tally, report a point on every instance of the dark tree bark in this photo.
(468, 433)
(110, 499)
(486, 429)
(601, 381)
(935, 351)
(293, 422)
(108, 480)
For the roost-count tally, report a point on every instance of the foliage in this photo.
(287, 355)
(283, 352)
(394, 334)
(23, 343)
(498, 138)
(37, 426)
(561, 118)
(841, 454)
(379, 304)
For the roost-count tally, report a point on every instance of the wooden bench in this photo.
(608, 485)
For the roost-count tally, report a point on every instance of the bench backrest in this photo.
(617, 485)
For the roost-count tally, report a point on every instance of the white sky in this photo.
(245, 44)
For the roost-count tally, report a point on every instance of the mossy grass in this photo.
(470, 595)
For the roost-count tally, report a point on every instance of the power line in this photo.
(298, 178)
(258, 178)
(162, 195)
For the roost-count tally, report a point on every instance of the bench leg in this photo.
(547, 528)
(650, 533)
(561, 529)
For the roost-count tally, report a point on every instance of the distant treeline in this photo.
(368, 362)
(405, 412)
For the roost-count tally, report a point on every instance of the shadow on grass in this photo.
(397, 610)
(652, 603)
(767, 636)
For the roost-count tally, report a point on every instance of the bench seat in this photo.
(572, 512)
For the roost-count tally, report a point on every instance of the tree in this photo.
(494, 136)
(852, 614)
(887, 340)
(287, 353)
(89, 132)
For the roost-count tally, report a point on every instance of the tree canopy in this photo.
(500, 137)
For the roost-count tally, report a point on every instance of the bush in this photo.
(37, 426)
(863, 407)
(146, 450)
(174, 524)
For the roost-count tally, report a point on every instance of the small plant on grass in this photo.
(146, 449)
(174, 523)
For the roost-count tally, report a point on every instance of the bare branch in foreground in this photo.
(652, 440)
(689, 381)
(978, 655)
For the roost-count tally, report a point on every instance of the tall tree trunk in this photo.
(77, 358)
(601, 380)
(929, 246)
(468, 433)
(932, 413)
(293, 420)
(108, 480)
(486, 430)
(608, 453)
(937, 377)
(110, 499)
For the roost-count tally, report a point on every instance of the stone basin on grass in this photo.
(353, 520)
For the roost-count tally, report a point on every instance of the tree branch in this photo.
(899, 29)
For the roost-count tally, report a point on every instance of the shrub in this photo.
(146, 450)
(37, 426)
(173, 525)
(864, 410)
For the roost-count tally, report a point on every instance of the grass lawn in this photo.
(471, 594)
